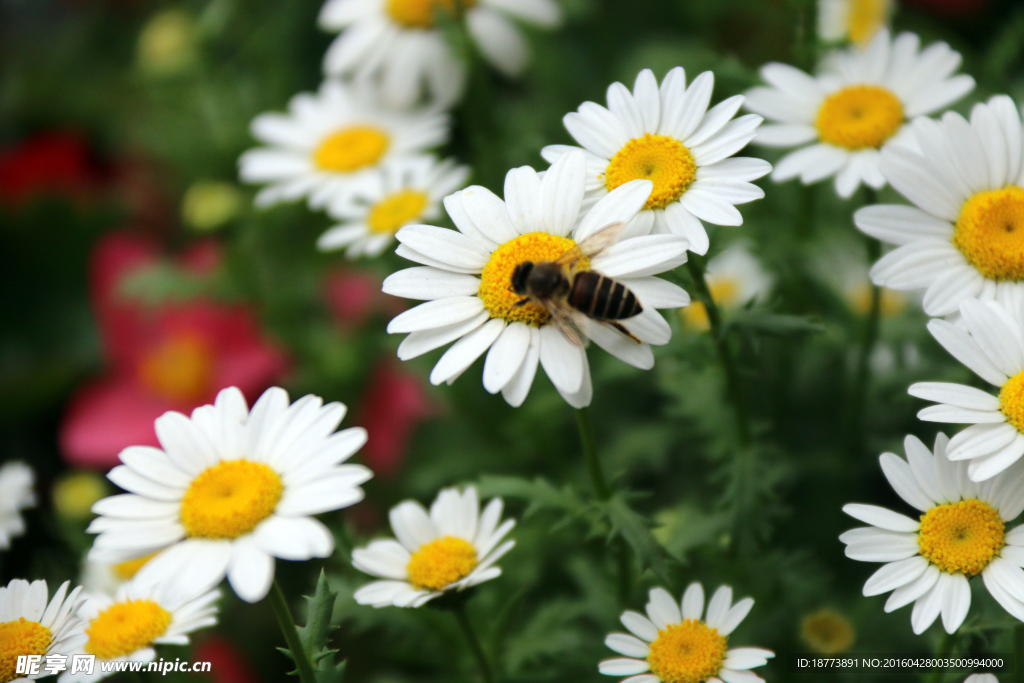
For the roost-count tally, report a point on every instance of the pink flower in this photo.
(395, 403)
(227, 664)
(47, 163)
(175, 356)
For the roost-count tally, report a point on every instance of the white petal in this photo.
(881, 517)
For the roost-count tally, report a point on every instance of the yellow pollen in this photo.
(125, 627)
(351, 149)
(129, 568)
(179, 369)
(961, 538)
(396, 210)
(20, 637)
(866, 17)
(661, 159)
(230, 499)
(441, 563)
(690, 652)
(827, 632)
(724, 291)
(420, 13)
(859, 117)
(990, 233)
(496, 278)
(1011, 401)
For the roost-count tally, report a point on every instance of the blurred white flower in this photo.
(16, 483)
(397, 43)
(127, 626)
(855, 20)
(330, 141)
(406, 191)
(735, 278)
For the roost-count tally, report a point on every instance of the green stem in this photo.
(862, 374)
(597, 478)
(808, 211)
(732, 376)
(1018, 654)
(474, 643)
(938, 672)
(291, 634)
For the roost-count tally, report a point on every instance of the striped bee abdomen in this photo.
(602, 298)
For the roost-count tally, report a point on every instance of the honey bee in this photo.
(571, 293)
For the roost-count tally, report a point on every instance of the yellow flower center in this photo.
(866, 17)
(496, 278)
(420, 13)
(441, 563)
(724, 291)
(990, 233)
(1011, 401)
(126, 627)
(230, 499)
(859, 117)
(394, 211)
(179, 369)
(961, 537)
(20, 637)
(827, 631)
(892, 302)
(129, 568)
(351, 149)
(661, 159)
(690, 652)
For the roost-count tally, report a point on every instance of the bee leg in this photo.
(623, 330)
(521, 302)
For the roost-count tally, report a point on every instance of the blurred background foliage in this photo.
(129, 115)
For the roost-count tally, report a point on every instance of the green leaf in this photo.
(314, 635)
(540, 493)
(759, 321)
(636, 529)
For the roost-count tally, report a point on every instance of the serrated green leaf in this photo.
(539, 492)
(636, 530)
(314, 635)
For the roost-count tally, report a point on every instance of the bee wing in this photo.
(567, 319)
(593, 245)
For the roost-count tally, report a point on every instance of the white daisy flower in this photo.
(675, 644)
(961, 533)
(102, 578)
(990, 341)
(231, 490)
(734, 278)
(964, 238)
(669, 136)
(330, 140)
(405, 191)
(31, 626)
(855, 20)
(860, 100)
(16, 482)
(452, 548)
(396, 43)
(127, 626)
(466, 281)
(981, 678)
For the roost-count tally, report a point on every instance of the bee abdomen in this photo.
(602, 298)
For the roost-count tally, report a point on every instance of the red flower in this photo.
(48, 163)
(227, 664)
(395, 403)
(170, 357)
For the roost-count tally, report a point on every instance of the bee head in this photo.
(519, 277)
